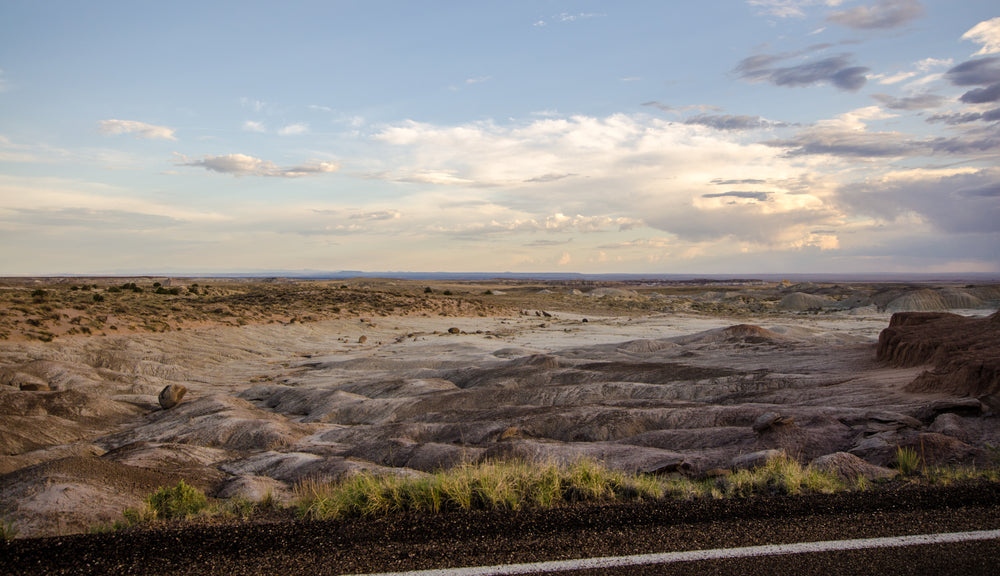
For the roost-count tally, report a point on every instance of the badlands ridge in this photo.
(288, 381)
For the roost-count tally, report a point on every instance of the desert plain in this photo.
(294, 380)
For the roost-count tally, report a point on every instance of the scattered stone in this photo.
(171, 396)
(584, 320)
(849, 467)
(362, 339)
(454, 330)
(754, 459)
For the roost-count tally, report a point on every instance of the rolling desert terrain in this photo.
(293, 380)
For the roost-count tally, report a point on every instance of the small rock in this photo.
(754, 459)
(959, 406)
(171, 396)
(454, 330)
(584, 320)
(35, 387)
(362, 339)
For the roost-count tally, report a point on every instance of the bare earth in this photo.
(287, 381)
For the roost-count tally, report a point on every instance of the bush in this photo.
(181, 501)
(8, 531)
(98, 298)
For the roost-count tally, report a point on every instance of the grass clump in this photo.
(484, 486)
(781, 475)
(907, 461)
(180, 502)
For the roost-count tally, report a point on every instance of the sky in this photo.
(647, 137)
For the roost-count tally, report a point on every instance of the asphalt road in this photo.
(404, 543)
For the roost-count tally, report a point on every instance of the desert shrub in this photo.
(114, 289)
(98, 298)
(428, 290)
(181, 501)
(907, 460)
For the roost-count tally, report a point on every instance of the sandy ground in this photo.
(269, 405)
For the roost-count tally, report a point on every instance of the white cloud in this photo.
(243, 165)
(252, 126)
(986, 33)
(789, 8)
(294, 129)
(478, 80)
(139, 129)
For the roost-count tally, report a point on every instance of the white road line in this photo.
(694, 555)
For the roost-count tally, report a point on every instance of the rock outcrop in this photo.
(171, 396)
(962, 351)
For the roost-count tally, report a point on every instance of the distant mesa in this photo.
(963, 351)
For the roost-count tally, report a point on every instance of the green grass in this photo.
(513, 485)
(517, 485)
(907, 461)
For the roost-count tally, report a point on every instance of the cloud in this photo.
(847, 136)
(966, 117)
(760, 196)
(94, 218)
(669, 108)
(294, 129)
(732, 122)
(721, 182)
(788, 8)
(917, 102)
(959, 203)
(377, 215)
(982, 95)
(883, 14)
(478, 80)
(139, 129)
(243, 165)
(251, 126)
(834, 69)
(980, 71)
(986, 33)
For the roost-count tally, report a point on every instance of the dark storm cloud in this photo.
(732, 122)
(978, 72)
(918, 102)
(760, 196)
(884, 14)
(982, 95)
(967, 117)
(834, 69)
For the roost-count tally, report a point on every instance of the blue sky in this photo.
(761, 136)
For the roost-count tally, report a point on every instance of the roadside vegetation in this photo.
(515, 486)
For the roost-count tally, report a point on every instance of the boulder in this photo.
(171, 396)
(769, 420)
(849, 467)
(754, 459)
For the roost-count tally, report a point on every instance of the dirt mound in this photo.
(800, 302)
(963, 351)
(73, 494)
(738, 334)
